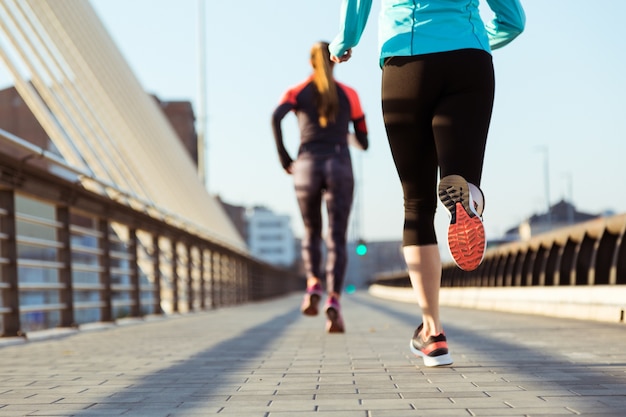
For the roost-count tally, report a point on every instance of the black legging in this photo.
(436, 109)
(325, 174)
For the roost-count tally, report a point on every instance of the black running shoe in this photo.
(434, 351)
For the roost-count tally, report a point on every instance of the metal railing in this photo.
(70, 256)
(590, 253)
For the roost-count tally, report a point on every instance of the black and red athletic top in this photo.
(301, 100)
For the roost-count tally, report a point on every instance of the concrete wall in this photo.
(600, 303)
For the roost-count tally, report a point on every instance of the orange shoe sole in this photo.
(466, 240)
(466, 233)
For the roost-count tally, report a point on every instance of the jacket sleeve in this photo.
(508, 23)
(277, 116)
(353, 18)
(357, 116)
(360, 131)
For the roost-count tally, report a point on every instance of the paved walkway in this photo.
(266, 360)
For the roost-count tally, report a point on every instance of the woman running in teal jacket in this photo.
(437, 99)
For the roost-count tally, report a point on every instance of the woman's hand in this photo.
(343, 58)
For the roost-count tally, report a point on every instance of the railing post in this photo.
(245, 276)
(539, 267)
(189, 277)
(528, 267)
(240, 281)
(245, 279)
(64, 256)
(202, 283)
(238, 288)
(616, 275)
(227, 274)
(254, 289)
(218, 279)
(133, 249)
(106, 312)
(156, 273)
(8, 248)
(211, 268)
(174, 245)
(236, 279)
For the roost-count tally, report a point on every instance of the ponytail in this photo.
(327, 99)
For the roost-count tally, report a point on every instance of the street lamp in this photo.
(544, 149)
(201, 131)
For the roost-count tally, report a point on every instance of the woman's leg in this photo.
(339, 194)
(308, 185)
(424, 263)
(460, 125)
(462, 116)
(409, 96)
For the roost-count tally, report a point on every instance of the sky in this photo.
(558, 127)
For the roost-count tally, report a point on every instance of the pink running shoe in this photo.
(466, 233)
(311, 300)
(334, 322)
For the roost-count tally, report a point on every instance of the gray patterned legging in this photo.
(325, 175)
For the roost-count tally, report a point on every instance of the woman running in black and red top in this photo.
(323, 169)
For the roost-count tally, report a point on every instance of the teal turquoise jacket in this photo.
(410, 27)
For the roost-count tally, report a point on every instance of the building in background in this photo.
(16, 118)
(237, 215)
(270, 237)
(562, 214)
(181, 116)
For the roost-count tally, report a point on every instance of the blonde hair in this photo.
(327, 98)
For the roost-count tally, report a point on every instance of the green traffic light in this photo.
(361, 249)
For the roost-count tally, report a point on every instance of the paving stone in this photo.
(264, 359)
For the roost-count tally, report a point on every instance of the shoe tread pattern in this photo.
(466, 233)
(466, 240)
(453, 189)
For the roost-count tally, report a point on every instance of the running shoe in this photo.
(466, 233)
(311, 300)
(434, 351)
(334, 322)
